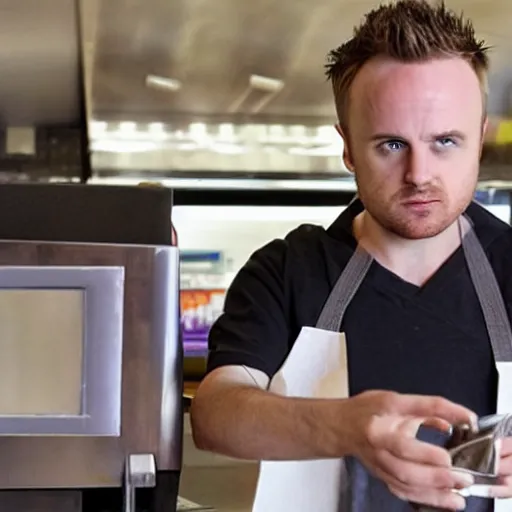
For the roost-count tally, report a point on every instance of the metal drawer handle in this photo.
(139, 471)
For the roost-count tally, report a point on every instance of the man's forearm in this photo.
(249, 423)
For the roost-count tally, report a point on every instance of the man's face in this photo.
(414, 139)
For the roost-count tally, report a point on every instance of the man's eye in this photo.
(445, 142)
(394, 145)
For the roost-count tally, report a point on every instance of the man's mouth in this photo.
(419, 205)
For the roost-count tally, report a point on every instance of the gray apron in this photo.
(361, 492)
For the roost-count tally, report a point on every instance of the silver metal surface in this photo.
(341, 184)
(168, 355)
(151, 378)
(238, 63)
(39, 58)
(213, 49)
(223, 62)
(103, 288)
(140, 471)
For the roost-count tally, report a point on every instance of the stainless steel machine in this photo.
(91, 360)
(90, 356)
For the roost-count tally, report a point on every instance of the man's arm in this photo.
(234, 415)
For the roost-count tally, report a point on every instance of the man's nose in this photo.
(417, 171)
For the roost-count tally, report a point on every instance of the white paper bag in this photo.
(315, 368)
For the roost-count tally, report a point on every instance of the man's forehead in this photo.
(391, 92)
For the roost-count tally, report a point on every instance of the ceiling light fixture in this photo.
(271, 86)
(266, 84)
(263, 84)
(160, 82)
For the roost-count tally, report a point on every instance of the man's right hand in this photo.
(383, 427)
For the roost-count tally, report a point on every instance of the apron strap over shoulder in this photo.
(482, 276)
(344, 290)
(489, 296)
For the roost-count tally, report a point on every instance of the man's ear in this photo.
(347, 157)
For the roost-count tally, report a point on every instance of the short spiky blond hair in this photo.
(408, 31)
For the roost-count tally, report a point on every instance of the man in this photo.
(410, 94)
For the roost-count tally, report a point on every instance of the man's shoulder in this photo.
(306, 241)
(280, 289)
(286, 258)
(308, 259)
(499, 252)
(490, 230)
(309, 245)
(305, 235)
(298, 242)
(496, 239)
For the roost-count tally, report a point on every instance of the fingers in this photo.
(410, 449)
(434, 407)
(417, 471)
(503, 491)
(404, 445)
(416, 475)
(442, 498)
(414, 470)
(506, 446)
(438, 424)
(505, 467)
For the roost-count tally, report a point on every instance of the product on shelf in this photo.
(199, 310)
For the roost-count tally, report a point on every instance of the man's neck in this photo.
(415, 261)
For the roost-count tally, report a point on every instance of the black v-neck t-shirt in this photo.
(428, 340)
